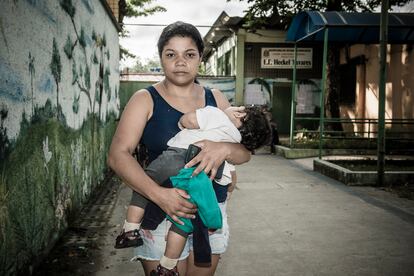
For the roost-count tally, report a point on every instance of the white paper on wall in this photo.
(304, 99)
(254, 95)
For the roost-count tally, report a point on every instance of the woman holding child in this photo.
(151, 118)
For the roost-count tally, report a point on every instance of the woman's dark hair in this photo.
(255, 130)
(182, 29)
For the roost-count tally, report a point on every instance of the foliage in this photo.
(312, 142)
(82, 40)
(124, 53)
(4, 140)
(55, 64)
(146, 66)
(68, 48)
(45, 179)
(202, 69)
(68, 7)
(134, 8)
(272, 12)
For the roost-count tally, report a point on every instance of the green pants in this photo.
(202, 194)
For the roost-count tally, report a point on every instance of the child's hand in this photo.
(235, 114)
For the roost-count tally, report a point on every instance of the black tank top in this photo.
(163, 124)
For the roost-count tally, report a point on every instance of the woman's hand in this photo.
(174, 203)
(211, 156)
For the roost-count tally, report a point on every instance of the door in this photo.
(281, 106)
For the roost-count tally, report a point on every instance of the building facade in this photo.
(262, 64)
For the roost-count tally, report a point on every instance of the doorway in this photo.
(281, 106)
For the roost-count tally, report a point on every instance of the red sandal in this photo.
(128, 239)
(162, 271)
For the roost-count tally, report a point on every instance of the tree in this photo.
(56, 68)
(139, 66)
(134, 8)
(271, 13)
(150, 65)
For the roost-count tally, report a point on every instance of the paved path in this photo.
(286, 219)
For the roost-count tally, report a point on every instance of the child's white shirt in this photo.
(215, 126)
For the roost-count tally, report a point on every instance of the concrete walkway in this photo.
(286, 219)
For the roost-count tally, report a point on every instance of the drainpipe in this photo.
(241, 38)
(293, 101)
(322, 97)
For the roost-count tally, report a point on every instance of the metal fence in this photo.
(358, 128)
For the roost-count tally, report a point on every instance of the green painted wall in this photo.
(59, 102)
(225, 84)
(128, 88)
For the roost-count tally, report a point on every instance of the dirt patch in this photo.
(403, 191)
(79, 250)
(371, 165)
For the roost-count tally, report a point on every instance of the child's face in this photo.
(236, 115)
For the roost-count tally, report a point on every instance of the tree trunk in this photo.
(332, 91)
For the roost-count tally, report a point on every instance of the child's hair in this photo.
(255, 130)
(182, 29)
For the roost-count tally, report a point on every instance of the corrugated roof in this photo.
(350, 27)
(222, 28)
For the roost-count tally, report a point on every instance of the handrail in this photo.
(404, 132)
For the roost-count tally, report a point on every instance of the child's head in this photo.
(255, 129)
(253, 124)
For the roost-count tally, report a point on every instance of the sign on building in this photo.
(283, 58)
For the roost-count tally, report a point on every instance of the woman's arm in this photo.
(214, 153)
(120, 159)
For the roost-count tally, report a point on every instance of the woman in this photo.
(151, 117)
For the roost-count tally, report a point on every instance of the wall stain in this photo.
(88, 6)
(3, 35)
(42, 7)
(11, 85)
(45, 83)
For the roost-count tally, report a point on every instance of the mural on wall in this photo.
(58, 105)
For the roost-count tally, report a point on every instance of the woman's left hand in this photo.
(211, 156)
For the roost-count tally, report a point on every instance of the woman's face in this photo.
(180, 60)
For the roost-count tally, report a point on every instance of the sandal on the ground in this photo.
(128, 239)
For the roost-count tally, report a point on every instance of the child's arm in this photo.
(232, 185)
(233, 181)
(189, 120)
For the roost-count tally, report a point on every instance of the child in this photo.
(236, 124)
